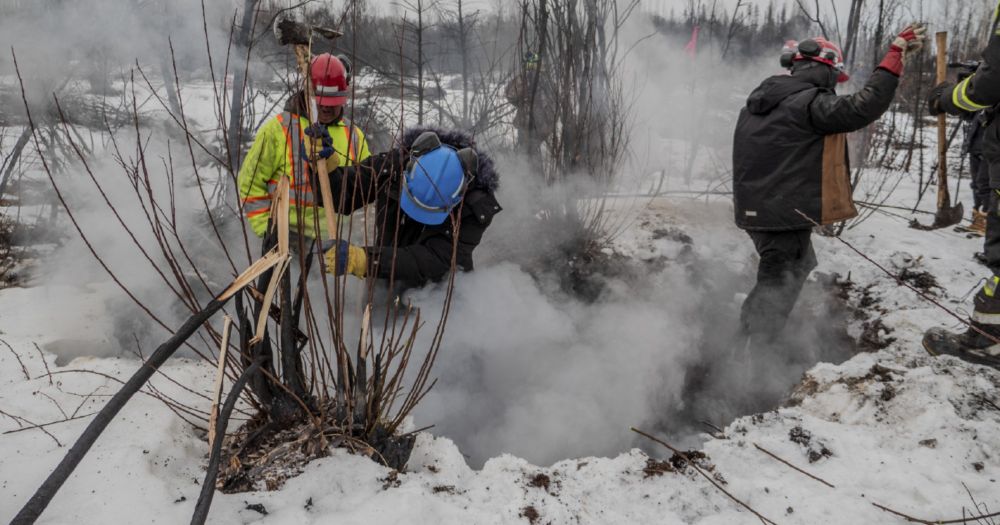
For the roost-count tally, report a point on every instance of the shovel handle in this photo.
(944, 198)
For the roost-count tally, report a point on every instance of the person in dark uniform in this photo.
(979, 92)
(972, 147)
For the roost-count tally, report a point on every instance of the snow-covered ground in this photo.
(896, 428)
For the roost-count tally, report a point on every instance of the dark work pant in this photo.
(786, 258)
(991, 241)
(980, 171)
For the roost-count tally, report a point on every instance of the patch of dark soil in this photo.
(800, 436)
(657, 468)
(531, 514)
(697, 457)
(819, 453)
(447, 489)
(861, 302)
(815, 449)
(866, 306)
(8, 261)
(262, 456)
(540, 481)
(875, 336)
(879, 373)
(391, 481)
(921, 280)
(888, 393)
(257, 507)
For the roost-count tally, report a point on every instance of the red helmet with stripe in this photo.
(329, 78)
(820, 50)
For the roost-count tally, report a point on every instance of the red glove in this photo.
(910, 40)
(907, 42)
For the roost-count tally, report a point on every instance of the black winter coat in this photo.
(410, 252)
(979, 91)
(790, 148)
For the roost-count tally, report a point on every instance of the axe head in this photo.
(326, 32)
(288, 31)
(291, 32)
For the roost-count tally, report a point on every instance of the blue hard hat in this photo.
(434, 182)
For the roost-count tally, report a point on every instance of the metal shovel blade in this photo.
(945, 217)
(326, 32)
(948, 216)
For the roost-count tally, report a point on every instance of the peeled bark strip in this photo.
(219, 374)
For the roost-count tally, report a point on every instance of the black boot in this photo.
(981, 342)
(981, 338)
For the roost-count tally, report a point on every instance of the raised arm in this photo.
(354, 187)
(842, 114)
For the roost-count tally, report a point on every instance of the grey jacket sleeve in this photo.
(831, 113)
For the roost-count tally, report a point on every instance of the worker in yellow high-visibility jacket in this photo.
(280, 147)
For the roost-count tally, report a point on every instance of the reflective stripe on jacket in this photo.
(980, 90)
(279, 149)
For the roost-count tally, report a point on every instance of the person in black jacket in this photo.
(790, 165)
(980, 92)
(434, 198)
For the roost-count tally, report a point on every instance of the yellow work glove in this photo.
(344, 258)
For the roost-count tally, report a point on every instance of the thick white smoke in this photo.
(526, 367)
(530, 369)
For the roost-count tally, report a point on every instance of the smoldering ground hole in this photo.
(552, 361)
(728, 378)
(733, 380)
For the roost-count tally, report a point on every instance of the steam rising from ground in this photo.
(546, 376)
(526, 367)
(530, 369)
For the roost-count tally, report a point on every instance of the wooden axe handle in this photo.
(944, 198)
(302, 57)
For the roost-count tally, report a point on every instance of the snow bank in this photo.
(896, 427)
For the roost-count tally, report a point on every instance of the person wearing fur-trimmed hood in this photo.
(435, 196)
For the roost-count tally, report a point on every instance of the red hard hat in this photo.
(824, 52)
(329, 78)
